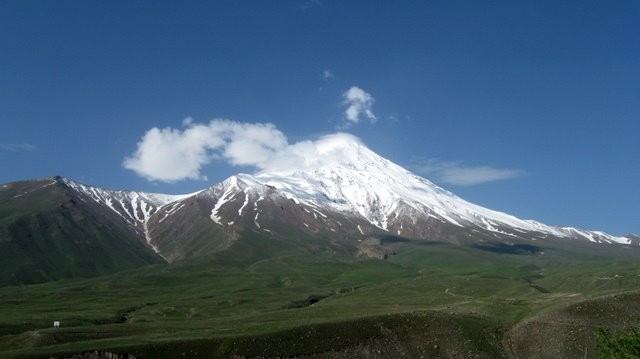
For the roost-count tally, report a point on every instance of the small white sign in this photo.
(56, 324)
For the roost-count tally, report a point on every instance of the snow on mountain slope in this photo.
(343, 179)
(133, 207)
(345, 176)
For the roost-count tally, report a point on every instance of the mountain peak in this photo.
(335, 150)
(339, 173)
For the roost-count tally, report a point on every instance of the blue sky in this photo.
(544, 95)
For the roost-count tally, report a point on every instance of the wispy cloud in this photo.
(359, 105)
(17, 147)
(327, 75)
(309, 4)
(458, 174)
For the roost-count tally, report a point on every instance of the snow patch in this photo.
(246, 201)
(226, 196)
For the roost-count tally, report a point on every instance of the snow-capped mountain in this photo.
(347, 190)
(358, 182)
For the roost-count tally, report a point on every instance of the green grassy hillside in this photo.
(47, 233)
(283, 297)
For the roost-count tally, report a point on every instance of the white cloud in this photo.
(359, 105)
(331, 149)
(175, 154)
(17, 147)
(327, 75)
(171, 155)
(455, 173)
(309, 4)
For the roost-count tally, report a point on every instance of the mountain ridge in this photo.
(347, 177)
(345, 198)
(50, 231)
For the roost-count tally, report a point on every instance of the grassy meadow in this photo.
(288, 301)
